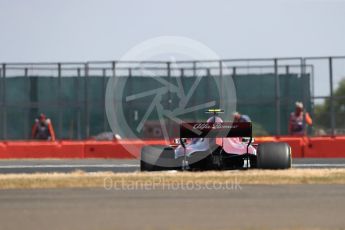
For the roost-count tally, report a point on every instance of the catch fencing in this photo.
(73, 94)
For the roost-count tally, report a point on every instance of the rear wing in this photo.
(214, 130)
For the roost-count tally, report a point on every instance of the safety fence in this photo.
(302, 147)
(73, 94)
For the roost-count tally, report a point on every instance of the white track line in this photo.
(318, 165)
(69, 166)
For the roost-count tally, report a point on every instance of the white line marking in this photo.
(69, 166)
(317, 165)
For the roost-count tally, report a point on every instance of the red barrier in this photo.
(105, 149)
(28, 149)
(38, 149)
(332, 147)
(301, 147)
(113, 149)
(71, 149)
(3, 151)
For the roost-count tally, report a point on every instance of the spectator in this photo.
(299, 120)
(241, 117)
(43, 129)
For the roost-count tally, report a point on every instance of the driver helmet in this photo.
(214, 119)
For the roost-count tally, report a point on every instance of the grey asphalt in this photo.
(242, 207)
(101, 165)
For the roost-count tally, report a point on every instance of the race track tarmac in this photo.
(242, 207)
(104, 165)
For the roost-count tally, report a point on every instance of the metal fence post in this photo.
(1, 97)
(1, 104)
(104, 75)
(221, 83)
(59, 101)
(27, 121)
(169, 96)
(113, 67)
(33, 97)
(78, 104)
(277, 96)
(233, 71)
(194, 68)
(181, 72)
(4, 103)
(304, 89)
(208, 72)
(221, 68)
(86, 101)
(331, 99)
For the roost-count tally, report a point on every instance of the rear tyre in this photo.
(274, 156)
(157, 158)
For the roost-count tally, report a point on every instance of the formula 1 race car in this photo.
(215, 145)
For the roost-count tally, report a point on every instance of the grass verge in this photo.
(81, 179)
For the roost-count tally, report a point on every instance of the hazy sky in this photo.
(72, 30)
